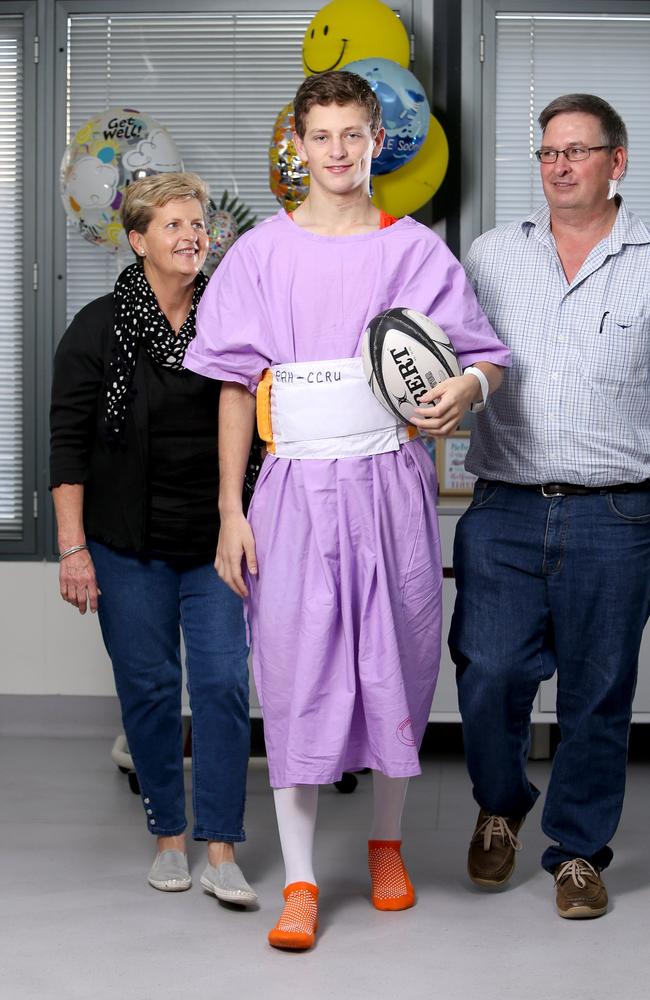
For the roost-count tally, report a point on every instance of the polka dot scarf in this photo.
(140, 320)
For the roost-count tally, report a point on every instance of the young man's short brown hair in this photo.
(336, 87)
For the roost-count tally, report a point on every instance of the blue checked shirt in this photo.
(575, 406)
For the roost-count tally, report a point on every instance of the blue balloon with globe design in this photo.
(404, 110)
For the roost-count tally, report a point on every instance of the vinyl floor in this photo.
(79, 922)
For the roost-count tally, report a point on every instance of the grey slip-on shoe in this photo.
(227, 883)
(170, 872)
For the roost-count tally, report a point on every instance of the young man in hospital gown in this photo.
(339, 559)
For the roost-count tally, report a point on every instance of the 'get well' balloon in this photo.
(110, 151)
(346, 30)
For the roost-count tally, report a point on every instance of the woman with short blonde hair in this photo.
(134, 478)
(144, 196)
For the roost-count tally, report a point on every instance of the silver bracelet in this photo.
(70, 551)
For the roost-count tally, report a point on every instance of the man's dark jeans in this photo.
(548, 585)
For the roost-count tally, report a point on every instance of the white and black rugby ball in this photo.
(404, 355)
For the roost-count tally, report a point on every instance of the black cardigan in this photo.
(114, 480)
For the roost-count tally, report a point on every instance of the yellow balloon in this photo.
(347, 30)
(413, 185)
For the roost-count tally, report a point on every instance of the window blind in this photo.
(216, 81)
(540, 57)
(11, 286)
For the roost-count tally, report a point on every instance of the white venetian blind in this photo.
(216, 81)
(11, 285)
(540, 57)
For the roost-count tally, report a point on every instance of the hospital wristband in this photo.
(485, 387)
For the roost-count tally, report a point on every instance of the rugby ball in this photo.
(405, 354)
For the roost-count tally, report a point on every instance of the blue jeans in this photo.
(548, 585)
(143, 605)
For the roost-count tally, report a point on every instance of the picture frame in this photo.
(453, 479)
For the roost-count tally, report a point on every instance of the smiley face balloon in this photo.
(347, 30)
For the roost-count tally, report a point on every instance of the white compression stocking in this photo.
(295, 810)
(388, 803)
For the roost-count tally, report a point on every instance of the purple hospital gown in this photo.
(345, 613)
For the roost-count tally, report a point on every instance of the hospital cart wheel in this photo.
(347, 784)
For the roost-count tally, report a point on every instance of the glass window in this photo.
(11, 286)
(216, 81)
(541, 56)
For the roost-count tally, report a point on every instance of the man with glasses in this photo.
(552, 558)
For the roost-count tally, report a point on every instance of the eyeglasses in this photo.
(572, 153)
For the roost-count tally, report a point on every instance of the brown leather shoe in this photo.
(491, 856)
(579, 889)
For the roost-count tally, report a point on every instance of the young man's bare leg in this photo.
(388, 804)
(296, 809)
(391, 886)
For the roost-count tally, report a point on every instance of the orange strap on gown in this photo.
(385, 220)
